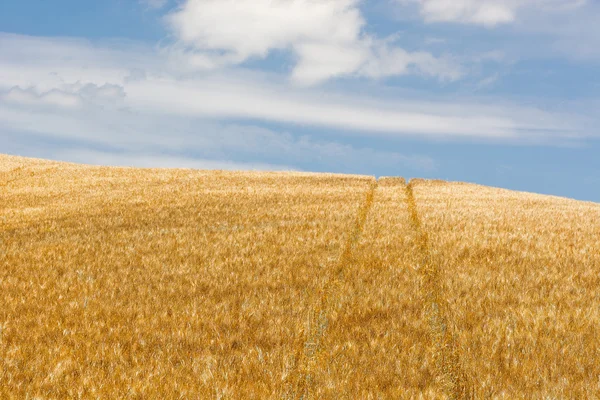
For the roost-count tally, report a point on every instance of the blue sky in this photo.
(497, 92)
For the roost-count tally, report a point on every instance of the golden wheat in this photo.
(446, 355)
(133, 283)
(521, 275)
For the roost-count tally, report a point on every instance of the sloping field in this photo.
(130, 283)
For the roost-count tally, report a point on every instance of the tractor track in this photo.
(446, 355)
(311, 357)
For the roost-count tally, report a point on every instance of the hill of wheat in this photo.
(183, 284)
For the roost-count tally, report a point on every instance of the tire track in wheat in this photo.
(446, 354)
(311, 357)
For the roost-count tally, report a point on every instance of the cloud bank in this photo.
(140, 81)
(136, 101)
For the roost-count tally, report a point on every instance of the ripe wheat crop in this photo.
(183, 284)
(521, 275)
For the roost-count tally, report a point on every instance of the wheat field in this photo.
(184, 284)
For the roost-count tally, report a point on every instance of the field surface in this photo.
(183, 284)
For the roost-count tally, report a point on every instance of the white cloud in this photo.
(488, 13)
(474, 11)
(30, 97)
(66, 96)
(136, 86)
(321, 61)
(106, 95)
(326, 36)
(103, 92)
(223, 97)
(124, 104)
(250, 28)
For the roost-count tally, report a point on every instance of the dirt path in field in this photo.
(446, 354)
(301, 378)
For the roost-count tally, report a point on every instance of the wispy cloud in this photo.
(488, 13)
(29, 97)
(157, 138)
(122, 101)
(161, 90)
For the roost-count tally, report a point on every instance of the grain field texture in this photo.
(185, 284)
(521, 276)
